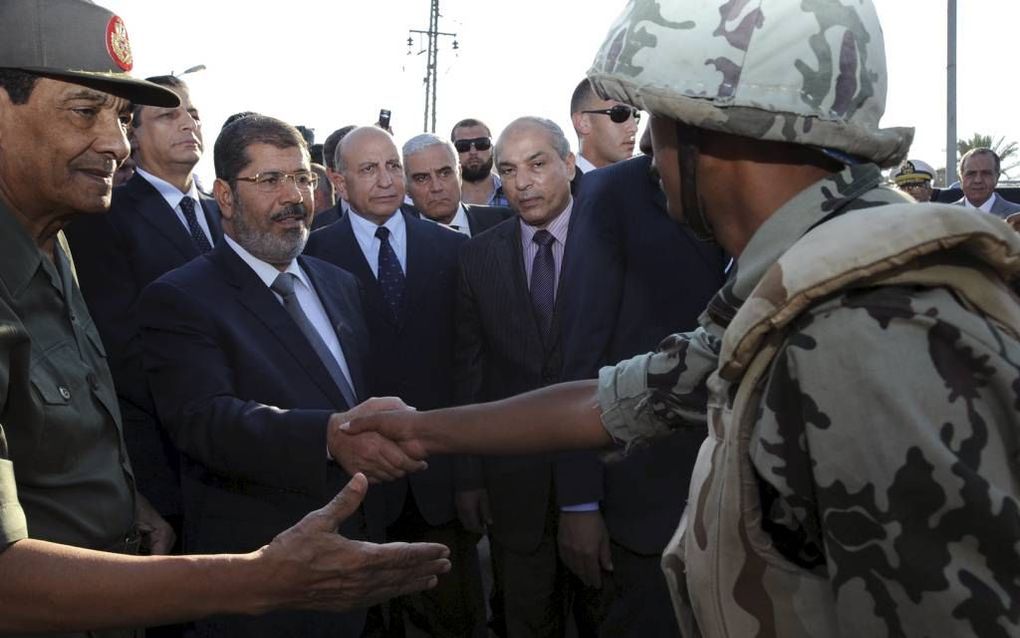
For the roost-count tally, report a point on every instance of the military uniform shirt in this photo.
(886, 443)
(63, 467)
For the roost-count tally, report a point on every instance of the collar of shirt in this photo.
(170, 193)
(266, 271)
(986, 207)
(558, 227)
(461, 221)
(582, 163)
(364, 232)
(834, 194)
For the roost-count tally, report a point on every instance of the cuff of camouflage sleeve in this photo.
(623, 395)
(13, 526)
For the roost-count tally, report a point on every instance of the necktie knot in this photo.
(283, 285)
(382, 233)
(543, 238)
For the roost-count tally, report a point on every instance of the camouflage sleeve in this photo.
(886, 453)
(14, 362)
(655, 393)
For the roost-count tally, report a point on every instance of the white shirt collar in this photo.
(170, 193)
(986, 207)
(582, 163)
(365, 229)
(461, 221)
(266, 271)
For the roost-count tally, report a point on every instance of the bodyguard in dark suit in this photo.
(407, 269)
(433, 180)
(158, 221)
(250, 354)
(636, 275)
(507, 343)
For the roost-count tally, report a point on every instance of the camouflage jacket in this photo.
(863, 399)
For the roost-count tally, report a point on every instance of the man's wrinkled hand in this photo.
(158, 536)
(584, 546)
(473, 510)
(310, 566)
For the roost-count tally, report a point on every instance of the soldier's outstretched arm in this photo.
(51, 587)
(637, 399)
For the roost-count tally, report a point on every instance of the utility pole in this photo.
(951, 94)
(431, 66)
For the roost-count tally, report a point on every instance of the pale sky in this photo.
(326, 64)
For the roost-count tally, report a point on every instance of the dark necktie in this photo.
(201, 241)
(391, 277)
(284, 286)
(543, 281)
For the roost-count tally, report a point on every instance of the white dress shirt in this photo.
(173, 198)
(364, 232)
(461, 221)
(306, 296)
(582, 163)
(986, 207)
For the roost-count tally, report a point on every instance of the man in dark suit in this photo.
(433, 180)
(250, 353)
(626, 294)
(507, 343)
(158, 221)
(407, 269)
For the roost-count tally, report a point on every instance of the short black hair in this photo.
(329, 146)
(230, 153)
(315, 150)
(18, 84)
(236, 116)
(169, 81)
(466, 122)
(581, 95)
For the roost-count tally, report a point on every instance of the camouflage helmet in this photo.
(810, 72)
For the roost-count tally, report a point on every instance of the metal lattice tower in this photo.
(431, 66)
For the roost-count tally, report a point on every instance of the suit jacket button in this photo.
(64, 392)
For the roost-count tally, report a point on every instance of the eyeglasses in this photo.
(915, 185)
(480, 143)
(619, 113)
(272, 181)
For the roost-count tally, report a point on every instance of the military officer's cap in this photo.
(74, 41)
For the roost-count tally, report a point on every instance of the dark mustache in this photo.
(294, 211)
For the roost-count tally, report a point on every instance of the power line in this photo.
(431, 65)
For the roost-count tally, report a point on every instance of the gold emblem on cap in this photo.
(117, 43)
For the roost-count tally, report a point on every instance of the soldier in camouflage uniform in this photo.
(860, 371)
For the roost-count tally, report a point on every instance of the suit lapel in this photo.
(510, 263)
(212, 217)
(417, 271)
(338, 309)
(253, 294)
(156, 212)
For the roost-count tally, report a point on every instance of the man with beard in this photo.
(250, 351)
(473, 141)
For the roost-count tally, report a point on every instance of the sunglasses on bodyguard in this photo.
(619, 113)
(480, 143)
